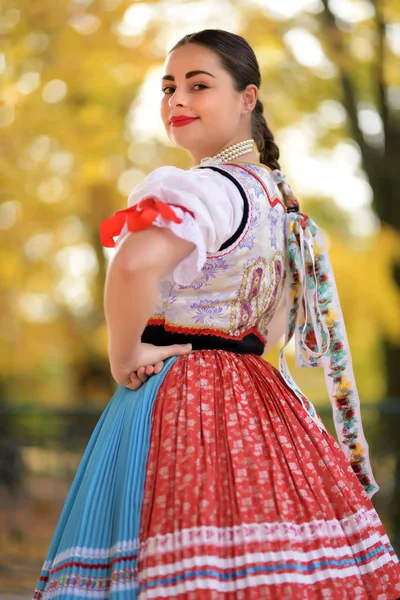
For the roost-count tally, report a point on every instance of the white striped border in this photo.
(219, 536)
(240, 581)
(278, 557)
(251, 581)
(88, 552)
(248, 580)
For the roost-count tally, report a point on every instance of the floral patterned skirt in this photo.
(209, 482)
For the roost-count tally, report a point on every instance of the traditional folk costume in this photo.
(217, 479)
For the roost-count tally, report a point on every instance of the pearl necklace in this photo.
(227, 155)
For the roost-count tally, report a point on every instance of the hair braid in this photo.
(268, 149)
(264, 138)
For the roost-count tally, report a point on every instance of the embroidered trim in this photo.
(315, 318)
(201, 330)
(272, 202)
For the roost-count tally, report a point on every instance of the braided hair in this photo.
(239, 60)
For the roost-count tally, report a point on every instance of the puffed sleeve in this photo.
(200, 206)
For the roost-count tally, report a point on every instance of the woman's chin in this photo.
(183, 141)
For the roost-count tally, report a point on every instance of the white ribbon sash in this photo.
(315, 317)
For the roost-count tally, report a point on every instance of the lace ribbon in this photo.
(315, 318)
(136, 218)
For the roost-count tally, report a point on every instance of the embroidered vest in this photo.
(230, 304)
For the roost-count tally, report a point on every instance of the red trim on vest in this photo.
(272, 202)
(204, 331)
(137, 218)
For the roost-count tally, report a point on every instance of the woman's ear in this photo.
(249, 98)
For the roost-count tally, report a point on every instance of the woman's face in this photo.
(200, 108)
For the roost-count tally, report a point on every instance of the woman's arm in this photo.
(140, 260)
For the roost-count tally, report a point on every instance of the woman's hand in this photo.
(148, 361)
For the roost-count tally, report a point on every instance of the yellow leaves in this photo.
(270, 54)
(12, 271)
(90, 171)
(92, 115)
(125, 73)
(99, 340)
(366, 286)
(392, 71)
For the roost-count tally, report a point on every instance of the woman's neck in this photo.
(248, 157)
(213, 150)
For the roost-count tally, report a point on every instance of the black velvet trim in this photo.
(245, 217)
(157, 335)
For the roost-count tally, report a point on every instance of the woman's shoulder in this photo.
(165, 170)
(202, 182)
(184, 174)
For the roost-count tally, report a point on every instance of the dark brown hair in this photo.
(238, 59)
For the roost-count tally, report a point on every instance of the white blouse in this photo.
(213, 199)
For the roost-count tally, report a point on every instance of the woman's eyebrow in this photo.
(188, 75)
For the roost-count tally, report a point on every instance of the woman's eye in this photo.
(168, 89)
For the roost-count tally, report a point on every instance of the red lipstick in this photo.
(182, 120)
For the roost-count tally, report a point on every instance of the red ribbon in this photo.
(137, 217)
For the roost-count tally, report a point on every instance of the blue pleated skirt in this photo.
(109, 482)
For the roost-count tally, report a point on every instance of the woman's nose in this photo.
(177, 98)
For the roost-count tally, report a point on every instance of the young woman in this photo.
(209, 474)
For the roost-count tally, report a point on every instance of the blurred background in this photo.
(79, 128)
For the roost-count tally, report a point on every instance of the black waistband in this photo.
(157, 335)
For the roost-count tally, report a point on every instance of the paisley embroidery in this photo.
(259, 293)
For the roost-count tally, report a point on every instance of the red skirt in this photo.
(246, 498)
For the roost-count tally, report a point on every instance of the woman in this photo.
(209, 474)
